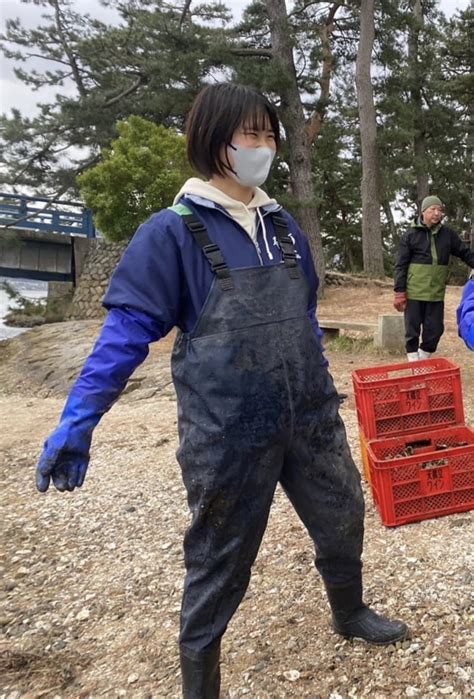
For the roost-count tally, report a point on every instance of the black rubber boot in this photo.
(200, 673)
(351, 618)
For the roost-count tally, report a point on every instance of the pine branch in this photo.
(141, 80)
(251, 51)
(67, 50)
(186, 7)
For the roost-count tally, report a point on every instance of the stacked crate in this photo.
(417, 453)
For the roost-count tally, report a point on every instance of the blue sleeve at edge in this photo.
(121, 347)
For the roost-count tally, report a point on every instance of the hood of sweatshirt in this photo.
(245, 214)
(418, 223)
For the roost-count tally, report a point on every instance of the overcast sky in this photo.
(14, 93)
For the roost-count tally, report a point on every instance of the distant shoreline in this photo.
(29, 288)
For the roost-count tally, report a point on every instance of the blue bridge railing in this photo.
(49, 215)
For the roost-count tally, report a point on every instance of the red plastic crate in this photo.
(408, 397)
(423, 475)
(364, 456)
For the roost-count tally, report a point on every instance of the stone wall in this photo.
(97, 268)
(96, 263)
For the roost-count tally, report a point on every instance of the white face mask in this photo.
(251, 165)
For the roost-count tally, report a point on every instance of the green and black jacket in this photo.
(421, 268)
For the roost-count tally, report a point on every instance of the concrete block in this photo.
(82, 247)
(390, 333)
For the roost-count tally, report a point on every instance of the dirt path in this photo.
(92, 580)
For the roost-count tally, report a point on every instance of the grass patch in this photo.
(356, 345)
(348, 343)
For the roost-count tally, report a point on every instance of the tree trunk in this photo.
(389, 216)
(371, 234)
(350, 258)
(416, 80)
(294, 123)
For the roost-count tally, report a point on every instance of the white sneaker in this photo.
(424, 355)
(412, 356)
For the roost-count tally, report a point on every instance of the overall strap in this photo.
(286, 244)
(211, 250)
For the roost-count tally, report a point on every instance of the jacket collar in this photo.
(418, 223)
(208, 204)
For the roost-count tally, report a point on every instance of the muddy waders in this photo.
(257, 407)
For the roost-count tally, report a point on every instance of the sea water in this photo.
(28, 288)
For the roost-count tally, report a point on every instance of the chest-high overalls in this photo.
(257, 407)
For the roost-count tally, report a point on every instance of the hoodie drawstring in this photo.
(264, 231)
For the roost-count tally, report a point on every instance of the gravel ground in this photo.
(92, 580)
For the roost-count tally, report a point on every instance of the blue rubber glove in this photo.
(66, 452)
(121, 347)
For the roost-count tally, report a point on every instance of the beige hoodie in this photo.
(244, 214)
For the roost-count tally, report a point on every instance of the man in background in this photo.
(421, 273)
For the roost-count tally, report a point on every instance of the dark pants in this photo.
(426, 317)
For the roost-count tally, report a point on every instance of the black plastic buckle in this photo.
(219, 267)
(195, 226)
(286, 240)
(279, 221)
(210, 249)
(289, 253)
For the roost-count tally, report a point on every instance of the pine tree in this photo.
(151, 64)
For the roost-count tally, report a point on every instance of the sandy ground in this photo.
(91, 581)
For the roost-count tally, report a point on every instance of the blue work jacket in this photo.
(465, 315)
(164, 274)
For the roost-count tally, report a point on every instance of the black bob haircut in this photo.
(217, 112)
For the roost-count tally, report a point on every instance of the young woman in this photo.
(256, 403)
